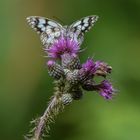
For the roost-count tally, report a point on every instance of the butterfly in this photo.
(50, 30)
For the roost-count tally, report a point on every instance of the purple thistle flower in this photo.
(88, 70)
(90, 66)
(106, 89)
(62, 46)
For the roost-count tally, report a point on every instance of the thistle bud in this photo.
(72, 76)
(54, 69)
(88, 85)
(70, 61)
(66, 98)
(77, 94)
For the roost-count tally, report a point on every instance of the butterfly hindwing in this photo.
(48, 29)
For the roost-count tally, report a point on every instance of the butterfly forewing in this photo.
(81, 26)
(84, 24)
(48, 29)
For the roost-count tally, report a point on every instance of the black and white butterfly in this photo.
(50, 30)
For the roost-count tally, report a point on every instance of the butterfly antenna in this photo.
(58, 19)
(45, 56)
(82, 50)
(45, 49)
(93, 55)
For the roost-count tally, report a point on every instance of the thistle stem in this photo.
(51, 111)
(43, 120)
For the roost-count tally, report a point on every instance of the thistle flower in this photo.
(62, 46)
(88, 70)
(106, 89)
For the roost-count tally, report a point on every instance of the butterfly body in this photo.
(50, 30)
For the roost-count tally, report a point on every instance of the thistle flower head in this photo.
(106, 89)
(90, 66)
(88, 70)
(62, 46)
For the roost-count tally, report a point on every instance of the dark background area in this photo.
(25, 87)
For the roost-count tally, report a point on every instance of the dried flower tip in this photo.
(103, 69)
(54, 69)
(62, 46)
(106, 89)
(66, 98)
(70, 61)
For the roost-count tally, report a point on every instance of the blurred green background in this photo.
(25, 87)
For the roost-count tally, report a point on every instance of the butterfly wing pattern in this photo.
(50, 30)
(80, 27)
